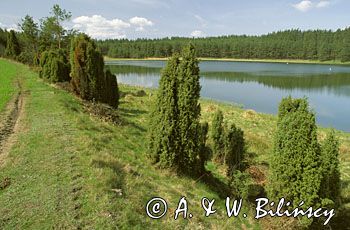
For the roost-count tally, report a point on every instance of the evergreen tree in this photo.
(330, 186)
(87, 68)
(3, 42)
(217, 136)
(205, 151)
(87, 71)
(52, 32)
(189, 109)
(30, 31)
(30, 34)
(46, 35)
(295, 171)
(164, 142)
(54, 66)
(234, 149)
(12, 47)
(240, 182)
(177, 139)
(110, 90)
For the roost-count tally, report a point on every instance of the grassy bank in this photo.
(71, 170)
(289, 61)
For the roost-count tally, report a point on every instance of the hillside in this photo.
(69, 170)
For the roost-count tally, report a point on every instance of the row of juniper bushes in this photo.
(301, 169)
(63, 56)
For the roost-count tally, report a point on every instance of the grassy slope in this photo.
(65, 163)
(296, 61)
(259, 129)
(7, 86)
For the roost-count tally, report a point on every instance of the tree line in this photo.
(61, 55)
(323, 45)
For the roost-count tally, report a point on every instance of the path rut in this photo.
(9, 122)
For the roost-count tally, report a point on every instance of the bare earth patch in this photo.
(10, 123)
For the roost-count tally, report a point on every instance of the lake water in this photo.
(260, 86)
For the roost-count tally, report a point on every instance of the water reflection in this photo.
(260, 86)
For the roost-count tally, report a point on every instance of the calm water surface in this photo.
(260, 86)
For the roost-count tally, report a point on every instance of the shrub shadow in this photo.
(216, 185)
(131, 112)
(117, 181)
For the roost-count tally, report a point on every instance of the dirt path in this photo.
(9, 122)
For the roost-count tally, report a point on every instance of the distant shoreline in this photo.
(289, 61)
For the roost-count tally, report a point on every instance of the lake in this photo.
(260, 86)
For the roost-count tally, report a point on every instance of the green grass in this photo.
(7, 85)
(66, 163)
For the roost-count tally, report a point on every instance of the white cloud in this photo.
(10, 27)
(307, 5)
(197, 33)
(140, 23)
(304, 5)
(4, 27)
(322, 4)
(99, 27)
(14, 28)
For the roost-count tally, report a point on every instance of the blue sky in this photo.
(156, 18)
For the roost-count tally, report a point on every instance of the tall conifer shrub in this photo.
(110, 90)
(13, 48)
(54, 66)
(217, 136)
(234, 149)
(295, 169)
(164, 139)
(205, 151)
(189, 109)
(177, 139)
(87, 71)
(330, 186)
